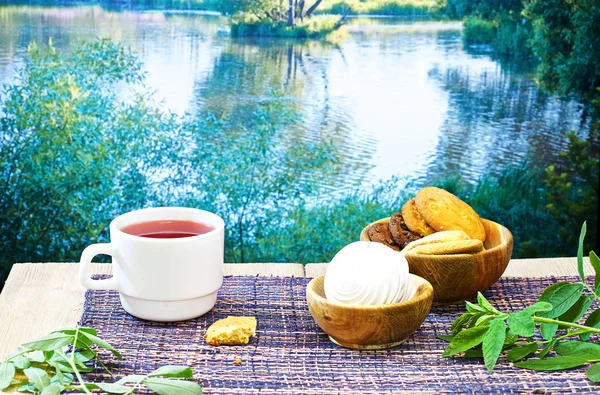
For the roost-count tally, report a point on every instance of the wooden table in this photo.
(41, 297)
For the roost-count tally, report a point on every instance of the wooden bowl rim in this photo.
(490, 251)
(427, 293)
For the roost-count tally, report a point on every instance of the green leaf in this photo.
(493, 340)
(548, 330)
(591, 351)
(537, 307)
(474, 318)
(473, 308)
(173, 387)
(548, 348)
(562, 299)
(72, 331)
(37, 356)
(102, 344)
(545, 296)
(519, 353)
(37, 377)
(577, 310)
(465, 340)
(580, 252)
(85, 356)
(592, 321)
(446, 338)
(593, 373)
(21, 362)
(173, 371)
(62, 378)
(473, 353)
(52, 389)
(27, 387)
(58, 377)
(595, 262)
(521, 324)
(113, 388)
(483, 302)
(49, 342)
(133, 378)
(510, 339)
(554, 363)
(7, 372)
(484, 319)
(62, 365)
(460, 323)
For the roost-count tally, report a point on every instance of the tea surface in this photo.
(167, 229)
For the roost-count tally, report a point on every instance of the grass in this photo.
(413, 8)
(506, 35)
(479, 31)
(315, 233)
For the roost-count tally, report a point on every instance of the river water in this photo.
(399, 98)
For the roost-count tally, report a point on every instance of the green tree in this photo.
(277, 10)
(572, 191)
(567, 44)
(72, 155)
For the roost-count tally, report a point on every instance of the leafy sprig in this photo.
(485, 332)
(54, 363)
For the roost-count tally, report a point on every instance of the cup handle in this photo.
(86, 258)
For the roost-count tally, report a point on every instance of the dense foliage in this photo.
(75, 154)
(71, 155)
(561, 35)
(567, 44)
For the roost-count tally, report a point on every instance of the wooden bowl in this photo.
(369, 327)
(458, 277)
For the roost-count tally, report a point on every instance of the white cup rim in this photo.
(215, 221)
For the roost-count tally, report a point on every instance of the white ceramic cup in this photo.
(162, 279)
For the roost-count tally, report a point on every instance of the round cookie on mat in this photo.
(444, 211)
(413, 219)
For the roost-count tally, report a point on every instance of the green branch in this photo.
(567, 324)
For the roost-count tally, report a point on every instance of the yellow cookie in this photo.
(231, 331)
(471, 246)
(439, 237)
(444, 211)
(413, 219)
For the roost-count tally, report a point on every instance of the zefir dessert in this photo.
(368, 300)
(366, 274)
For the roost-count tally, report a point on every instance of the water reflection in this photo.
(249, 72)
(396, 98)
(496, 119)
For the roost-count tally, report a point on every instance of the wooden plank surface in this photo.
(41, 297)
(38, 298)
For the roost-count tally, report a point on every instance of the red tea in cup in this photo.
(167, 229)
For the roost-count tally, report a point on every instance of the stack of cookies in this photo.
(435, 222)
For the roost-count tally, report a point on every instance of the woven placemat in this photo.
(291, 354)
